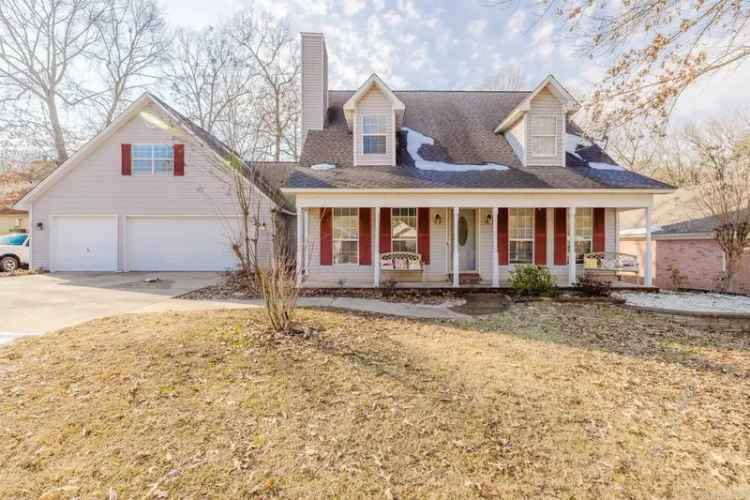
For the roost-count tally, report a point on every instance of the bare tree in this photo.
(509, 78)
(133, 44)
(654, 50)
(42, 42)
(723, 149)
(211, 80)
(275, 55)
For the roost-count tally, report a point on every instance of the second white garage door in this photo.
(180, 243)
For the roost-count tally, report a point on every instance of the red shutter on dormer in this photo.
(423, 234)
(598, 230)
(365, 236)
(125, 159)
(540, 236)
(326, 236)
(179, 159)
(385, 230)
(503, 237)
(561, 238)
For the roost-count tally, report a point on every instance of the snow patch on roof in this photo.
(415, 140)
(604, 166)
(323, 166)
(573, 142)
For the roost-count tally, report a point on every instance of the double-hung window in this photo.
(584, 232)
(345, 235)
(544, 135)
(521, 235)
(404, 229)
(153, 159)
(373, 134)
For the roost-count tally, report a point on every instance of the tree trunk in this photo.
(56, 128)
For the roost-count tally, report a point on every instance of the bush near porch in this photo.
(543, 400)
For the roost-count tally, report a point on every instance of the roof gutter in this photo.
(474, 191)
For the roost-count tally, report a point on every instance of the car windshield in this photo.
(13, 239)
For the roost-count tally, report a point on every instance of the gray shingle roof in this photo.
(462, 123)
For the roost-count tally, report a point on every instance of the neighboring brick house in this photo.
(685, 252)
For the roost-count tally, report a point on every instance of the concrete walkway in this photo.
(36, 304)
(415, 311)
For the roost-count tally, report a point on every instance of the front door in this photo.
(467, 241)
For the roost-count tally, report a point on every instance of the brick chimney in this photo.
(314, 82)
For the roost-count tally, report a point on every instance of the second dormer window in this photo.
(544, 135)
(373, 134)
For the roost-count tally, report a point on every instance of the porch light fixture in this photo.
(40, 226)
(488, 219)
(438, 219)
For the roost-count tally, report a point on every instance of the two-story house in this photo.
(422, 188)
(470, 183)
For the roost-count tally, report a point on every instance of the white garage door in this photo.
(180, 243)
(84, 243)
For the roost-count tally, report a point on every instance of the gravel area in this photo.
(691, 302)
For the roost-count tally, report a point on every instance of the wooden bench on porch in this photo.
(402, 266)
(603, 265)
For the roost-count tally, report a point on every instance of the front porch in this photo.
(347, 244)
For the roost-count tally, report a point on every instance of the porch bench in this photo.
(602, 265)
(402, 266)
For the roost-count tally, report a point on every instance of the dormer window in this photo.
(544, 135)
(374, 132)
(153, 159)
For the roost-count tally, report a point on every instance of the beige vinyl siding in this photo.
(374, 103)
(314, 82)
(95, 186)
(545, 104)
(516, 137)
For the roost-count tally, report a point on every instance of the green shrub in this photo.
(534, 281)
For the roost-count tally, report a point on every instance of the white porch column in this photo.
(571, 246)
(306, 241)
(455, 248)
(300, 244)
(648, 274)
(376, 249)
(495, 259)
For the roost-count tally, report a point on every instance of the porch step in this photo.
(466, 278)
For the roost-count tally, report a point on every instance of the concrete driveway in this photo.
(40, 303)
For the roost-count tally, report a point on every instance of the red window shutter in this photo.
(179, 159)
(126, 159)
(598, 230)
(561, 238)
(326, 236)
(385, 230)
(365, 237)
(423, 234)
(502, 237)
(540, 236)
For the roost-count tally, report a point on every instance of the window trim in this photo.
(333, 237)
(153, 159)
(416, 227)
(384, 134)
(532, 134)
(532, 240)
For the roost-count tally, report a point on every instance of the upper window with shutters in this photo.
(153, 159)
(544, 135)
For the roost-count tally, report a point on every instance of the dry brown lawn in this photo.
(544, 400)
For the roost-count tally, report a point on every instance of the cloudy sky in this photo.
(446, 44)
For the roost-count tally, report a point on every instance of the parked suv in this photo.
(14, 251)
